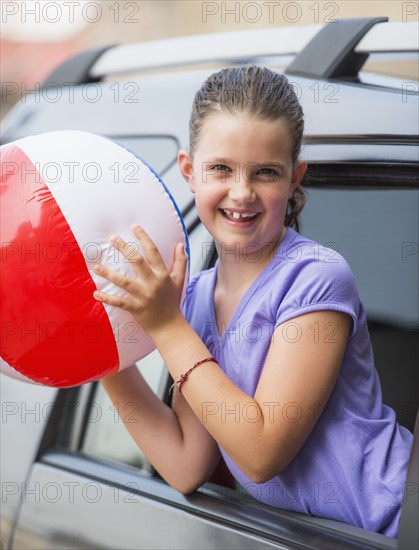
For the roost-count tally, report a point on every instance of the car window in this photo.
(376, 231)
(160, 152)
(106, 435)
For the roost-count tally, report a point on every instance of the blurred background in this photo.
(38, 35)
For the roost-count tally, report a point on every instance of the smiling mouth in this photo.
(235, 216)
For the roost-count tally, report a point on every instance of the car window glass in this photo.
(376, 232)
(158, 151)
(106, 435)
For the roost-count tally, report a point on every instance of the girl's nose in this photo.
(242, 190)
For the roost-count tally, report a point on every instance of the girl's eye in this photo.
(220, 168)
(267, 172)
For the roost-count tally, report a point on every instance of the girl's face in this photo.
(242, 177)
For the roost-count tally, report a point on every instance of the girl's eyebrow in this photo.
(222, 160)
(219, 160)
(268, 164)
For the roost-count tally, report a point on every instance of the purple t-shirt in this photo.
(353, 465)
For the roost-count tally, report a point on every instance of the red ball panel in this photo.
(47, 305)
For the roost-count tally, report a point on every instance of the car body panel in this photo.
(146, 513)
(28, 406)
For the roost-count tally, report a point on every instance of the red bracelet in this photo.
(184, 376)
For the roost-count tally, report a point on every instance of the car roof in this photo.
(337, 109)
(242, 46)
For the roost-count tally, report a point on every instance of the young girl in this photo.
(271, 355)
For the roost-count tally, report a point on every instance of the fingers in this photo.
(179, 266)
(151, 251)
(153, 255)
(152, 275)
(130, 253)
(119, 280)
(116, 278)
(115, 301)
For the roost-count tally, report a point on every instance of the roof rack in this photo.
(331, 53)
(76, 69)
(361, 37)
(234, 47)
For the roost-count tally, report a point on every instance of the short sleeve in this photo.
(314, 283)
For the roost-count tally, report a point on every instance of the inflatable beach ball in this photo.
(63, 194)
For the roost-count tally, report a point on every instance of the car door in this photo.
(91, 487)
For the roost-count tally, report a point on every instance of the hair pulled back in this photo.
(259, 92)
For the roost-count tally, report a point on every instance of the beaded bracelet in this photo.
(184, 376)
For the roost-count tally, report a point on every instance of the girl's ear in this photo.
(185, 165)
(297, 176)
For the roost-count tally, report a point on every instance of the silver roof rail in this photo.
(227, 47)
(237, 46)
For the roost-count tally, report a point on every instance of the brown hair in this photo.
(259, 92)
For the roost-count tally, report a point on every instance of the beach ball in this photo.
(63, 194)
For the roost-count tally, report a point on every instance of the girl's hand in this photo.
(154, 296)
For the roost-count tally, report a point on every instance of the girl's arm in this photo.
(302, 372)
(173, 440)
(262, 435)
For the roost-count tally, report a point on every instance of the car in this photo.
(71, 475)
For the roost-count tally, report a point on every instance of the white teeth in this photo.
(238, 216)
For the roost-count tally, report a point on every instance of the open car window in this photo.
(376, 231)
